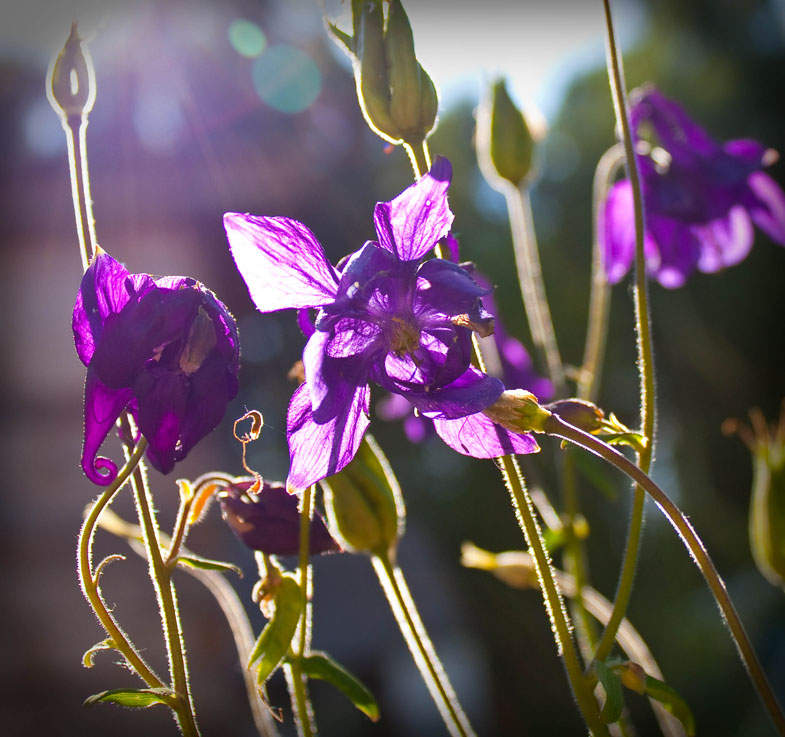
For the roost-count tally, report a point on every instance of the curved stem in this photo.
(419, 156)
(89, 583)
(301, 642)
(527, 261)
(644, 345)
(600, 297)
(422, 650)
(555, 426)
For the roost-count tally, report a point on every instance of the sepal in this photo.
(135, 698)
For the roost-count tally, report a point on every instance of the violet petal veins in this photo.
(387, 316)
(165, 349)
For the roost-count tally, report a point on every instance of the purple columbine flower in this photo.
(265, 517)
(387, 316)
(701, 198)
(506, 358)
(165, 349)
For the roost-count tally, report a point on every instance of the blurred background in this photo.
(205, 107)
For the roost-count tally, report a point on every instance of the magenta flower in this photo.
(701, 198)
(266, 517)
(387, 317)
(165, 349)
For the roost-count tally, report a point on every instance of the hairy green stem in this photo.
(644, 346)
(527, 261)
(600, 296)
(557, 427)
(303, 710)
(419, 644)
(89, 582)
(419, 156)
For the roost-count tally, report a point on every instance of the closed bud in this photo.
(71, 79)
(767, 505)
(518, 411)
(505, 145)
(578, 412)
(363, 502)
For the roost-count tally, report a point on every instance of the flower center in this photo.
(404, 337)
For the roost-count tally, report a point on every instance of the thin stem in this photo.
(89, 583)
(419, 156)
(160, 576)
(554, 604)
(644, 346)
(555, 426)
(527, 261)
(306, 726)
(422, 650)
(75, 127)
(600, 297)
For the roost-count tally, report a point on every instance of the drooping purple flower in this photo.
(265, 517)
(165, 349)
(388, 317)
(701, 197)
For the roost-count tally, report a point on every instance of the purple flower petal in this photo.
(766, 205)
(616, 231)
(102, 407)
(726, 241)
(282, 263)
(105, 289)
(677, 251)
(446, 288)
(470, 393)
(412, 224)
(318, 451)
(478, 437)
(267, 518)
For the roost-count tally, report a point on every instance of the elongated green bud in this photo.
(397, 97)
(71, 79)
(505, 145)
(364, 504)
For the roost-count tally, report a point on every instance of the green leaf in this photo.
(674, 703)
(135, 698)
(634, 440)
(276, 637)
(196, 561)
(87, 658)
(322, 666)
(614, 698)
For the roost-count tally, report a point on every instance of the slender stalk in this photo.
(303, 711)
(179, 533)
(419, 156)
(554, 604)
(89, 582)
(644, 346)
(600, 297)
(75, 127)
(160, 576)
(527, 261)
(557, 427)
(422, 650)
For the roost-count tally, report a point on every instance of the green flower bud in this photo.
(505, 145)
(364, 504)
(397, 97)
(584, 415)
(767, 505)
(518, 411)
(71, 79)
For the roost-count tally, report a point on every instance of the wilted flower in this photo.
(265, 516)
(701, 198)
(387, 316)
(165, 349)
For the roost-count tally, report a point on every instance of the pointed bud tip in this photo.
(71, 78)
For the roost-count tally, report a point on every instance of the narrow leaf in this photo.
(614, 698)
(132, 697)
(322, 666)
(273, 643)
(674, 703)
(196, 561)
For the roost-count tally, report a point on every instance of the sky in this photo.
(538, 44)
